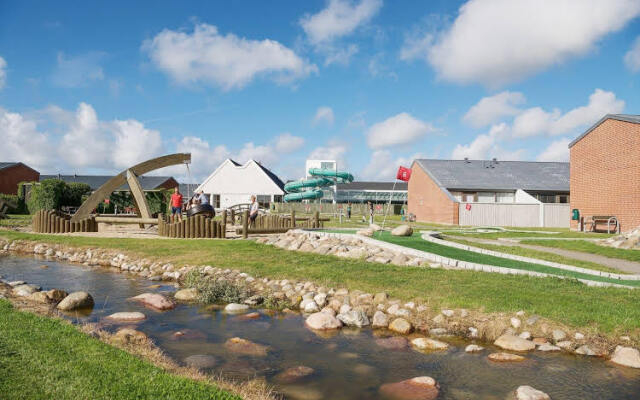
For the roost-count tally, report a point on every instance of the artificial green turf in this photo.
(521, 233)
(588, 247)
(45, 358)
(611, 311)
(416, 242)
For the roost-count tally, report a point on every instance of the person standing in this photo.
(349, 211)
(253, 210)
(370, 206)
(203, 198)
(176, 203)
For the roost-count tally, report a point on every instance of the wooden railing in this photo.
(51, 221)
(196, 227)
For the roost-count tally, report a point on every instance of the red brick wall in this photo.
(428, 201)
(605, 173)
(11, 176)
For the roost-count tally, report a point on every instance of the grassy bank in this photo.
(588, 247)
(608, 310)
(416, 242)
(44, 358)
(541, 255)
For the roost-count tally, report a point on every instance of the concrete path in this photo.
(631, 267)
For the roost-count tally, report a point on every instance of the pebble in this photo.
(473, 348)
(235, 308)
(127, 316)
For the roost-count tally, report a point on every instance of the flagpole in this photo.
(384, 220)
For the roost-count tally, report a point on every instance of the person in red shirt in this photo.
(176, 203)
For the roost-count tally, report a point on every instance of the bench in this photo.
(610, 220)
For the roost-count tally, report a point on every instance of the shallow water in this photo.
(348, 364)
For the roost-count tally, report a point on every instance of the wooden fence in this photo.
(196, 227)
(514, 214)
(50, 221)
(277, 223)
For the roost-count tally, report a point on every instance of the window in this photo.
(563, 199)
(277, 198)
(263, 200)
(328, 165)
(486, 197)
(505, 197)
(215, 200)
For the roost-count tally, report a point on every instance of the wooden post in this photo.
(67, 226)
(233, 216)
(293, 218)
(224, 224)
(245, 224)
(316, 219)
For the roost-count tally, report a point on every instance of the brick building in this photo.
(488, 192)
(605, 170)
(12, 173)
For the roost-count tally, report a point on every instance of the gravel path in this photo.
(622, 265)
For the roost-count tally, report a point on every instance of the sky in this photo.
(95, 87)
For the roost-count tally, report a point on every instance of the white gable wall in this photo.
(236, 184)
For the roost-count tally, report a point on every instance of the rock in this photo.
(565, 344)
(246, 347)
(365, 232)
(155, 301)
(419, 388)
(380, 298)
(514, 343)
(548, 347)
(438, 332)
(393, 343)
(129, 336)
(190, 294)
(439, 319)
(200, 361)
(505, 357)
(294, 374)
(447, 313)
(401, 326)
(473, 348)
(375, 227)
(515, 322)
(539, 340)
(529, 393)
(532, 320)
(354, 318)
(188, 334)
(380, 320)
(39, 297)
(320, 299)
(322, 321)
(254, 300)
(429, 344)
(76, 300)
(309, 306)
(329, 311)
(526, 335)
(585, 350)
(301, 392)
(248, 317)
(626, 356)
(56, 295)
(16, 283)
(345, 308)
(578, 336)
(402, 230)
(23, 290)
(558, 335)
(127, 316)
(235, 308)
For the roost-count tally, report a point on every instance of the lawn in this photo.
(541, 255)
(416, 242)
(588, 247)
(45, 358)
(611, 311)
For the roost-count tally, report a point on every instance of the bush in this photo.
(74, 193)
(46, 195)
(16, 205)
(213, 291)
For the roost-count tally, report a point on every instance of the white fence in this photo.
(515, 214)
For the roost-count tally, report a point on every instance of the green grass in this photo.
(14, 221)
(588, 247)
(416, 242)
(45, 358)
(611, 311)
(541, 255)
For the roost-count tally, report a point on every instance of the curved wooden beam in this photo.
(112, 184)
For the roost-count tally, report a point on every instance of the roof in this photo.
(497, 175)
(4, 165)
(188, 189)
(635, 119)
(373, 186)
(95, 181)
(271, 175)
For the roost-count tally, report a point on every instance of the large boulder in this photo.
(23, 290)
(514, 343)
(529, 393)
(322, 321)
(75, 301)
(56, 295)
(402, 230)
(236, 308)
(429, 344)
(419, 388)
(126, 316)
(155, 300)
(354, 318)
(294, 374)
(246, 347)
(190, 294)
(39, 297)
(627, 356)
(380, 320)
(401, 326)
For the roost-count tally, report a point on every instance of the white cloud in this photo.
(86, 141)
(492, 108)
(287, 143)
(334, 150)
(383, 166)
(336, 54)
(632, 57)
(21, 141)
(227, 61)
(134, 143)
(3, 73)
(536, 121)
(78, 71)
(401, 129)
(557, 150)
(324, 115)
(487, 146)
(338, 19)
(494, 42)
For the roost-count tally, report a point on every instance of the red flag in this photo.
(404, 174)
(106, 201)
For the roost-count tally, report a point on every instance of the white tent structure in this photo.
(232, 183)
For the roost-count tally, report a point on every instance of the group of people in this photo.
(177, 205)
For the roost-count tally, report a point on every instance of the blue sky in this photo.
(94, 88)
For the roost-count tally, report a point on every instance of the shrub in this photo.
(16, 205)
(46, 195)
(74, 193)
(213, 291)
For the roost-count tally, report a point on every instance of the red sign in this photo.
(404, 174)
(468, 207)
(106, 201)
